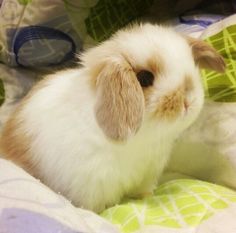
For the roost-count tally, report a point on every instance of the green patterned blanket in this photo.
(176, 206)
(222, 87)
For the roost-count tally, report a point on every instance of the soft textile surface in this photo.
(33, 32)
(17, 82)
(33, 35)
(96, 20)
(222, 35)
(27, 206)
(189, 206)
(178, 206)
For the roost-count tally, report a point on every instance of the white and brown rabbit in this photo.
(105, 130)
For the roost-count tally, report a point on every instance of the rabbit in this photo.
(104, 130)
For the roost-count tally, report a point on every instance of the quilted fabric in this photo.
(178, 204)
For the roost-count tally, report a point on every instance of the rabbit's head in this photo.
(148, 73)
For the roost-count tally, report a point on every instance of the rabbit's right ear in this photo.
(205, 55)
(120, 101)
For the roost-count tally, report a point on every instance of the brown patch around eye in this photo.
(171, 105)
(155, 65)
(152, 65)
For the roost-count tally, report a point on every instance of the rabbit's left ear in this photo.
(120, 101)
(206, 56)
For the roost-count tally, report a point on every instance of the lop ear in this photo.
(206, 56)
(120, 101)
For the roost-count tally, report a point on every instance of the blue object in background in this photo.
(202, 20)
(42, 46)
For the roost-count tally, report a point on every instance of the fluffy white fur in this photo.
(69, 149)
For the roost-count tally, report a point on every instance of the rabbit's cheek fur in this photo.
(170, 106)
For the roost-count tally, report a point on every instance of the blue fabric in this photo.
(42, 42)
(15, 220)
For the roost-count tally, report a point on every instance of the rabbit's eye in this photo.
(145, 78)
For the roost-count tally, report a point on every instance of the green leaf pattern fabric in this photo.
(108, 16)
(222, 87)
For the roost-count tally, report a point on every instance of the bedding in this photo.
(27, 206)
(189, 206)
(182, 205)
(31, 34)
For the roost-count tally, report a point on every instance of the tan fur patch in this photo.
(171, 105)
(15, 145)
(155, 65)
(188, 85)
